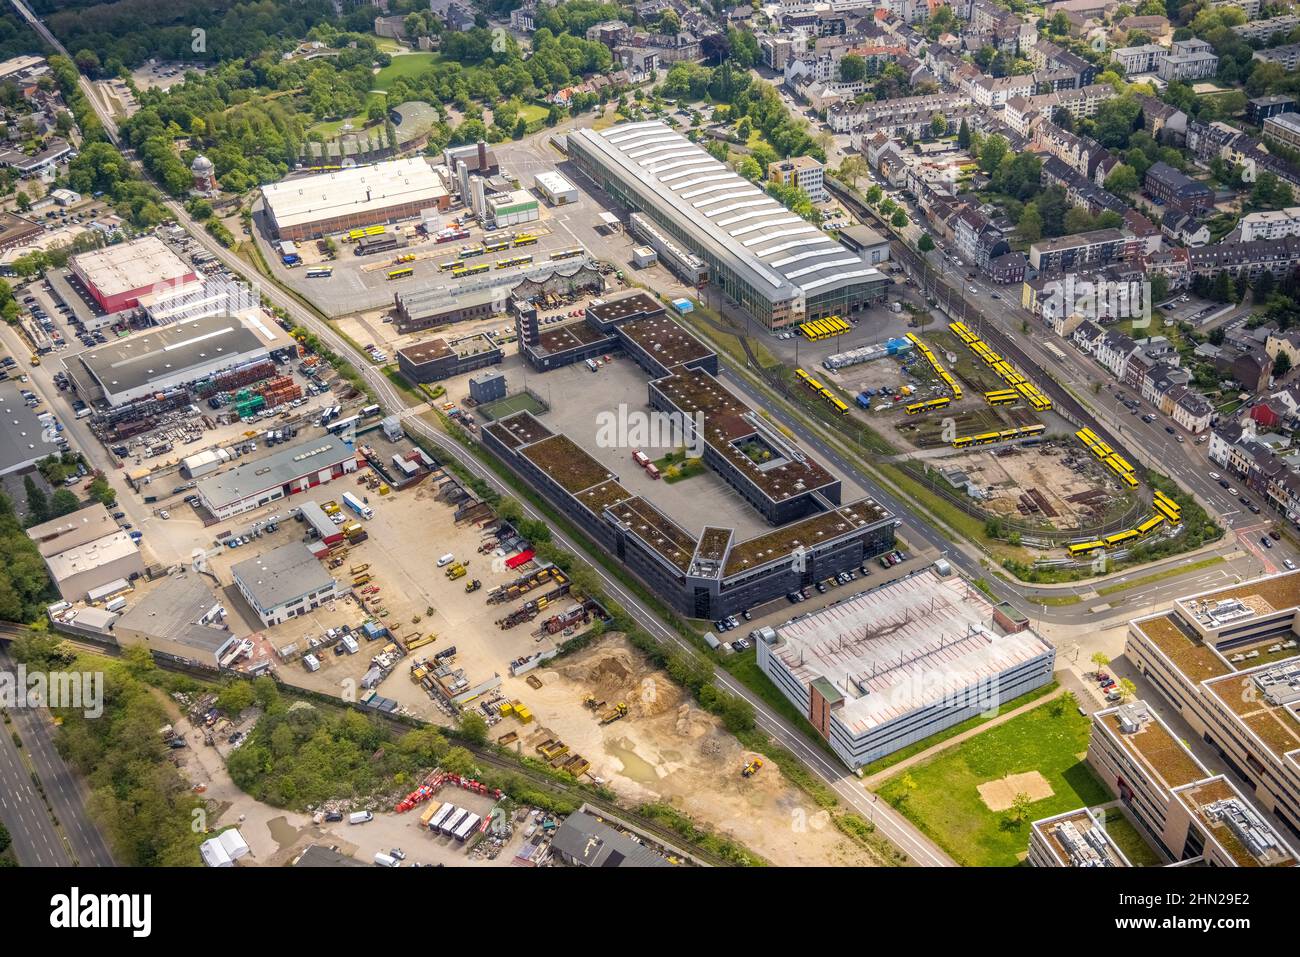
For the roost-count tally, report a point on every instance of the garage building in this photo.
(297, 468)
(555, 189)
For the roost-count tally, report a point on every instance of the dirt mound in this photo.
(612, 670)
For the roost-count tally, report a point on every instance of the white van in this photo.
(383, 860)
(117, 604)
(360, 817)
(446, 559)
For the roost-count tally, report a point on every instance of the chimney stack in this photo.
(482, 156)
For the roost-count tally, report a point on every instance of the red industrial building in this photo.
(119, 276)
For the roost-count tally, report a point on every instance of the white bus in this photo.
(320, 272)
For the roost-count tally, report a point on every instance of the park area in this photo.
(978, 798)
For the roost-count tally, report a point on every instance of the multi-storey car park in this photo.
(1186, 813)
(710, 574)
(1228, 661)
(780, 268)
(890, 666)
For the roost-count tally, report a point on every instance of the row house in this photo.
(1190, 410)
(1287, 342)
(1083, 154)
(1278, 256)
(916, 123)
(1080, 104)
(978, 240)
(1080, 191)
(1145, 234)
(1112, 353)
(852, 116)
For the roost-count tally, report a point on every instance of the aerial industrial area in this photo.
(656, 434)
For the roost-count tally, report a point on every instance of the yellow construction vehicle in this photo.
(475, 585)
(419, 641)
(751, 768)
(358, 569)
(613, 714)
(456, 571)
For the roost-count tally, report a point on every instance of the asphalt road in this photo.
(35, 841)
(66, 790)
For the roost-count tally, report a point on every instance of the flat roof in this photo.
(903, 646)
(1265, 700)
(661, 533)
(665, 340)
(352, 192)
(634, 304)
(1077, 839)
(128, 266)
(91, 555)
(1151, 744)
(136, 361)
(1077, 239)
(779, 253)
(75, 528)
(23, 437)
(778, 468)
(805, 532)
(1235, 825)
(553, 182)
(279, 468)
(171, 610)
(281, 575)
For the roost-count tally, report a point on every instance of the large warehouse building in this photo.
(779, 267)
(118, 276)
(176, 355)
(297, 468)
(896, 664)
(309, 207)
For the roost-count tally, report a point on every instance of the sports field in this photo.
(522, 402)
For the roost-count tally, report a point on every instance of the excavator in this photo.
(751, 768)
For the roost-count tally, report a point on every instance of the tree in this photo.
(102, 492)
(852, 68)
(925, 243)
(898, 220)
(458, 761)
(473, 726)
(874, 194)
(38, 505)
(235, 697)
(1030, 225)
(1019, 811)
(87, 62)
(63, 502)
(963, 133)
(938, 125)
(1127, 690)
(24, 201)
(1281, 366)
(1122, 179)
(1100, 659)
(992, 152)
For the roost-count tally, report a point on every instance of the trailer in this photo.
(358, 506)
(453, 820)
(466, 827)
(434, 808)
(440, 815)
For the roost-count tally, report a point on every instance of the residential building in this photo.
(1260, 108)
(802, 171)
(1287, 57)
(1263, 31)
(1270, 224)
(1070, 253)
(1283, 127)
(1191, 59)
(1177, 191)
(1140, 59)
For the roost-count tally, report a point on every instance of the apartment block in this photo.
(1228, 661)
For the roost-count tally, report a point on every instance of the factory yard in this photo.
(667, 749)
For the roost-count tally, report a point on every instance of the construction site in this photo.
(646, 740)
(1053, 485)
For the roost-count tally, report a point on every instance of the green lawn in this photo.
(946, 805)
(406, 64)
(532, 113)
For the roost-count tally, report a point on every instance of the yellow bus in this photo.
(404, 258)
(826, 394)
(1088, 436)
(400, 273)
(1151, 524)
(1128, 480)
(939, 403)
(986, 438)
(1169, 502)
(496, 245)
(1083, 548)
(513, 261)
(353, 235)
(1119, 538)
(962, 442)
(469, 252)
(840, 407)
(449, 265)
(801, 375)
(375, 230)
(474, 270)
(1173, 515)
(1037, 429)
(813, 384)
(1001, 397)
(524, 239)
(567, 253)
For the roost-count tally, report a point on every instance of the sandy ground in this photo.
(669, 749)
(999, 795)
